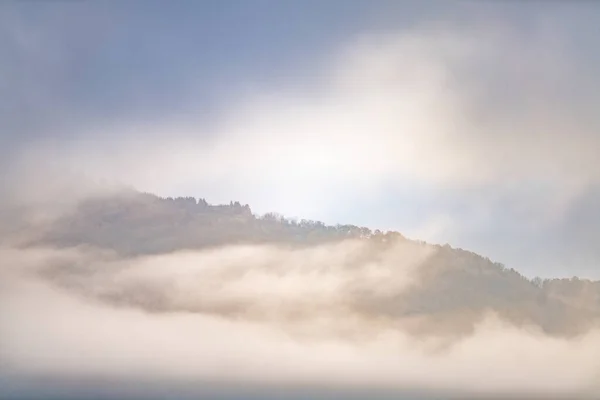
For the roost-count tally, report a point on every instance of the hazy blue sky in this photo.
(473, 123)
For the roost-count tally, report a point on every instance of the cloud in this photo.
(432, 103)
(499, 122)
(441, 105)
(495, 121)
(259, 315)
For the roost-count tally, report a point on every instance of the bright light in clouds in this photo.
(479, 109)
(410, 105)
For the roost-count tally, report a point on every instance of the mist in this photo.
(262, 316)
(479, 132)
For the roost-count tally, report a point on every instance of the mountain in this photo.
(457, 286)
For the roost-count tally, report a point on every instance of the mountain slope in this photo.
(456, 287)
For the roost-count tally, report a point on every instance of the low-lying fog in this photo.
(259, 316)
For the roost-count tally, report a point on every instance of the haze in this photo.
(412, 130)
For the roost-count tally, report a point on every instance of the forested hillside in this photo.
(456, 287)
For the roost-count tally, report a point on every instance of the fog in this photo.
(474, 131)
(258, 317)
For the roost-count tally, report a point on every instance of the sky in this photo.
(465, 122)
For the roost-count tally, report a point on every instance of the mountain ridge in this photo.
(458, 284)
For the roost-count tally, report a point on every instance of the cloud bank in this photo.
(497, 121)
(261, 316)
(434, 104)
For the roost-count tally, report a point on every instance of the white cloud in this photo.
(50, 330)
(476, 109)
(435, 105)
